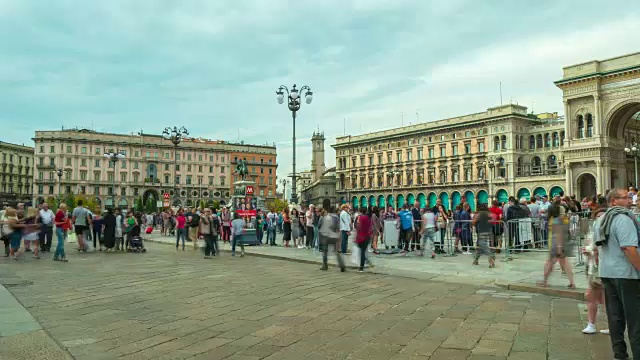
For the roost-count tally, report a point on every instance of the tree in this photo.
(203, 204)
(215, 205)
(151, 206)
(52, 202)
(88, 202)
(70, 200)
(277, 205)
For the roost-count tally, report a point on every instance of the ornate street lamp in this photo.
(393, 174)
(633, 149)
(113, 159)
(59, 173)
(293, 101)
(284, 189)
(174, 135)
(492, 164)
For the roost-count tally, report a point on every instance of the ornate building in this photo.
(320, 183)
(262, 164)
(17, 173)
(196, 170)
(504, 150)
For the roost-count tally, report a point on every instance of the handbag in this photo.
(72, 238)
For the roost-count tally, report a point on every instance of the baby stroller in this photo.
(137, 245)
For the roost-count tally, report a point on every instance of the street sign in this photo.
(165, 196)
(165, 203)
(159, 203)
(249, 190)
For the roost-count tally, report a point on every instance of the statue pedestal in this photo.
(244, 203)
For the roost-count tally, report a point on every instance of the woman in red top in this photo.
(496, 216)
(363, 236)
(61, 223)
(181, 231)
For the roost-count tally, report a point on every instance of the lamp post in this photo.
(293, 102)
(113, 159)
(634, 150)
(492, 164)
(393, 174)
(284, 189)
(174, 135)
(59, 173)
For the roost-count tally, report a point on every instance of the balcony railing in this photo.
(46, 167)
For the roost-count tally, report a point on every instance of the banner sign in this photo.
(246, 213)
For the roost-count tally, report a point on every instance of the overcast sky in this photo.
(213, 66)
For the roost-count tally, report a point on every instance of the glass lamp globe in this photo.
(309, 97)
(294, 94)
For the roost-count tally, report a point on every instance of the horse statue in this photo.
(241, 169)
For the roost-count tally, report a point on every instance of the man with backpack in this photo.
(616, 234)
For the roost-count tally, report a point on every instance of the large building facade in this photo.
(504, 151)
(262, 165)
(73, 162)
(16, 172)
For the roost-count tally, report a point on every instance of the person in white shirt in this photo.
(46, 227)
(345, 228)
(428, 231)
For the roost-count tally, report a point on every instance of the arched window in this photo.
(502, 169)
(556, 140)
(467, 174)
(532, 142)
(580, 122)
(561, 138)
(539, 141)
(589, 121)
(536, 166)
(481, 172)
(454, 175)
(552, 164)
(521, 142)
(547, 140)
(504, 142)
(342, 181)
(519, 169)
(380, 181)
(443, 176)
(496, 143)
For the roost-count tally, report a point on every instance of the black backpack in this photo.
(195, 220)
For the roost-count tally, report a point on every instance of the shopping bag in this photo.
(72, 238)
(355, 254)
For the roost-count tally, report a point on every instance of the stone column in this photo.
(600, 181)
(597, 127)
(569, 179)
(567, 123)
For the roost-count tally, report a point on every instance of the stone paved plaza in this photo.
(176, 305)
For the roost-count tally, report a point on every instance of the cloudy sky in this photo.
(213, 65)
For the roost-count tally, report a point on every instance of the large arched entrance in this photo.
(150, 196)
(586, 185)
(623, 126)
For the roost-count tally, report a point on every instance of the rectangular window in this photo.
(222, 169)
(136, 153)
(166, 179)
(41, 148)
(83, 150)
(83, 162)
(40, 175)
(110, 177)
(135, 178)
(409, 155)
(467, 148)
(222, 181)
(177, 167)
(454, 149)
(389, 158)
(177, 179)
(96, 175)
(199, 168)
(40, 189)
(178, 156)
(135, 164)
(199, 157)
(188, 179)
(52, 149)
(123, 191)
(431, 153)
(124, 163)
(135, 192)
(123, 178)
(399, 156)
(361, 160)
(210, 180)
(166, 155)
(189, 157)
(443, 151)
(52, 162)
(68, 161)
(270, 171)
(188, 167)
(210, 169)
(481, 146)
(420, 154)
(83, 175)
(166, 167)
(97, 163)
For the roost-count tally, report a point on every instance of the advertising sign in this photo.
(247, 213)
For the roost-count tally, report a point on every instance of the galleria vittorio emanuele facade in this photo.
(505, 150)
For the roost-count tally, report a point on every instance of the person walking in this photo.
(97, 231)
(193, 224)
(616, 234)
(559, 246)
(428, 231)
(329, 235)
(594, 295)
(483, 230)
(181, 232)
(272, 223)
(407, 227)
(119, 230)
(60, 222)
(295, 230)
(363, 236)
(310, 233)
(376, 224)
(237, 229)
(81, 222)
(31, 234)
(47, 218)
(109, 230)
(345, 228)
(225, 217)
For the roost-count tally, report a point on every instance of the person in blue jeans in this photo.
(237, 229)
(345, 228)
(60, 221)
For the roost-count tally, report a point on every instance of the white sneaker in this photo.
(590, 329)
(604, 332)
